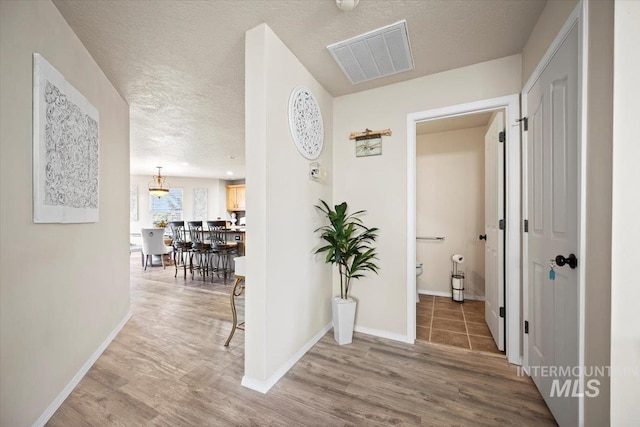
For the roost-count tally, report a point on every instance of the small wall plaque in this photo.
(369, 146)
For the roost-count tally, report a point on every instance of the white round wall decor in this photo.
(305, 123)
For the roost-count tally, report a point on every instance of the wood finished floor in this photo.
(168, 367)
(213, 282)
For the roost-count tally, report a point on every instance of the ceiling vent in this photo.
(375, 54)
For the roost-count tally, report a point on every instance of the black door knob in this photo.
(482, 237)
(571, 260)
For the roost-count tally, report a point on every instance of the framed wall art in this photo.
(200, 203)
(369, 142)
(66, 165)
(133, 203)
(369, 146)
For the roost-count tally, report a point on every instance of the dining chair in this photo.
(153, 244)
(135, 245)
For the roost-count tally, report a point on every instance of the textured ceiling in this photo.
(453, 123)
(180, 64)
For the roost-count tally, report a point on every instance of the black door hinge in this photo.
(525, 122)
(501, 311)
(526, 225)
(501, 224)
(502, 137)
(526, 326)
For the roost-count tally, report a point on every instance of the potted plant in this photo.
(163, 223)
(349, 247)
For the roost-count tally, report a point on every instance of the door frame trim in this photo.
(511, 105)
(580, 17)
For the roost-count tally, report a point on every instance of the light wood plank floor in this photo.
(168, 367)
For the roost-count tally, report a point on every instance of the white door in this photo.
(493, 213)
(552, 212)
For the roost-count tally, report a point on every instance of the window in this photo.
(168, 208)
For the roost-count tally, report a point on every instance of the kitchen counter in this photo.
(234, 230)
(239, 236)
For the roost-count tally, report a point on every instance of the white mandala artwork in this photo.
(305, 123)
(66, 166)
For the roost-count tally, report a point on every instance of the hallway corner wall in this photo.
(288, 299)
(64, 288)
(625, 292)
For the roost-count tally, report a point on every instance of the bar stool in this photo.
(238, 290)
(181, 246)
(200, 250)
(221, 250)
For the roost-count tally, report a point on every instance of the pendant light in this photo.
(158, 186)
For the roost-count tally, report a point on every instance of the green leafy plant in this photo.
(349, 244)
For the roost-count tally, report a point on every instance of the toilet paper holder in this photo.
(457, 279)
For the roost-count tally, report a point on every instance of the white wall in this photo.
(552, 18)
(288, 288)
(217, 197)
(450, 203)
(63, 288)
(597, 262)
(625, 292)
(379, 184)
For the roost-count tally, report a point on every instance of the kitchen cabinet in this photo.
(236, 198)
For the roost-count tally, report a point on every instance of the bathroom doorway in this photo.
(459, 205)
(495, 290)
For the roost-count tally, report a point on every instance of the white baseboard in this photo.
(53, 407)
(383, 334)
(448, 295)
(265, 386)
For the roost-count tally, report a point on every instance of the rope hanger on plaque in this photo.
(369, 143)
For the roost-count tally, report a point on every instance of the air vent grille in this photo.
(375, 54)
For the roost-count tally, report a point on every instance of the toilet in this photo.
(418, 273)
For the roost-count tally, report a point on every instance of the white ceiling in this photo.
(180, 64)
(453, 123)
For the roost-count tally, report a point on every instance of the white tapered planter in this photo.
(344, 317)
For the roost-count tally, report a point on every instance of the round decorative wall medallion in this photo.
(305, 123)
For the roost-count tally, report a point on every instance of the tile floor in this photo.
(444, 321)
